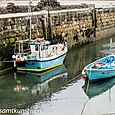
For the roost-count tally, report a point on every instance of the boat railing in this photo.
(27, 50)
(50, 54)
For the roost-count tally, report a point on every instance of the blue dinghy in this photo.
(99, 69)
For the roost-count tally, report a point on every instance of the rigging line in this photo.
(71, 80)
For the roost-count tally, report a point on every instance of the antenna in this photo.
(30, 19)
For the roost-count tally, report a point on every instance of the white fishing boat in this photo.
(34, 55)
(38, 54)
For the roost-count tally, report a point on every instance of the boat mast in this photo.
(110, 46)
(30, 19)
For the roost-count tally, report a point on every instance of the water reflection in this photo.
(97, 88)
(56, 90)
(24, 89)
(78, 58)
(43, 80)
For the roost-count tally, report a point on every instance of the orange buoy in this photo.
(18, 60)
(83, 73)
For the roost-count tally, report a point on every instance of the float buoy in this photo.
(18, 60)
(84, 73)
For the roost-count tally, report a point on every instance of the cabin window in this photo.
(26, 48)
(36, 47)
(17, 49)
(44, 47)
(22, 48)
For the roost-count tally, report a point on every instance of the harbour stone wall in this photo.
(76, 26)
(84, 27)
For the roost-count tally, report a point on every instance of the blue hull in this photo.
(101, 69)
(100, 74)
(38, 66)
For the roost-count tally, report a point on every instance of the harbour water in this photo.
(61, 91)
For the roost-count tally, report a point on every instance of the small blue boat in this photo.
(102, 68)
(38, 55)
(99, 69)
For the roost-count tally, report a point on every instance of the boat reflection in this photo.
(38, 83)
(97, 88)
(23, 90)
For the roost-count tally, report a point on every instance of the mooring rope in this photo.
(72, 79)
(7, 61)
(84, 106)
(86, 91)
(87, 99)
